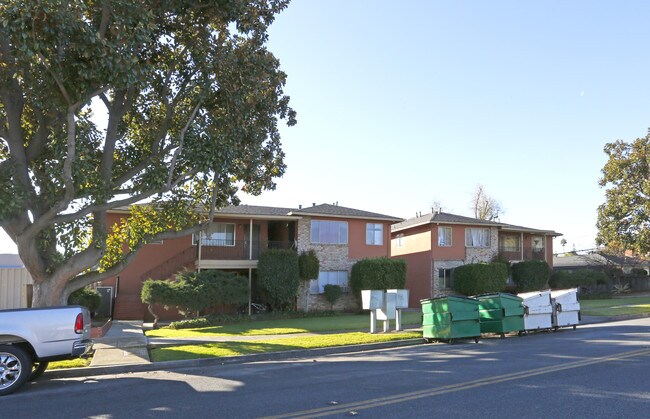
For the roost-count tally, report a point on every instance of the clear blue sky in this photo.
(403, 103)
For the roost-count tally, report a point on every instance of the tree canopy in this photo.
(105, 104)
(484, 206)
(624, 218)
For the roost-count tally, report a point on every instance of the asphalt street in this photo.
(595, 371)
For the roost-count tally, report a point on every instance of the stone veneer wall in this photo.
(332, 257)
(472, 255)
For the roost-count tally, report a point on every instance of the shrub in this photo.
(531, 275)
(309, 265)
(480, 278)
(278, 274)
(87, 297)
(579, 278)
(332, 293)
(638, 272)
(193, 292)
(377, 274)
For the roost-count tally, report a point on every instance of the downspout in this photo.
(200, 240)
(250, 270)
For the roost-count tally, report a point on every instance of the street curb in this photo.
(270, 356)
(239, 359)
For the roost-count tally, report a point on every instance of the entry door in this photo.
(256, 241)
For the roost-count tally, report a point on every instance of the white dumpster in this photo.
(566, 308)
(538, 310)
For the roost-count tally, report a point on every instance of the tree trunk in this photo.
(49, 293)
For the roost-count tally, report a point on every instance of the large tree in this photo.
(484, 206)
(624, 219)
(109, 103)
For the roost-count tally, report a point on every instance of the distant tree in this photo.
(624, 218)
(484, 206)
(563, 243)
(190, 99)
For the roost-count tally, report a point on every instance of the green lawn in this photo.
(615, 306)
(70, 363)
(221, 349)
(284, 326)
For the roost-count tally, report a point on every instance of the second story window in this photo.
(538, 243)
(329, 232)
(510, 243)
(375, 234)
(444, 236)
(399, 240)
(477, 237)
(220, 234)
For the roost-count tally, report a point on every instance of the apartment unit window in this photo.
(444, 236)
(510, 243)
(340, 278)
(399, 240)
(329, 232)
(220, 234)
(374, 234)
(477, 237)
(445, 278)
(538, 243)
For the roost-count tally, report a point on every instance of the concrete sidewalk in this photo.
(123, 344)
(124, 349)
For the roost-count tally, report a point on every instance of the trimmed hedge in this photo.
(578, 278)
(278, 274)
(193, 292)
(480, 278)
(530, 275)
(87, 297)
(377, 274)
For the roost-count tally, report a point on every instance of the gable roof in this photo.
(442, 218)
(337, 211)
(447, 218)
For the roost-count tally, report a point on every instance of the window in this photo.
(399, 240)
(340, 278)
(374, 234)
(538, 243)
(477, 237)
(329, 232)
(510, 243)
(445, 278)
(444, 236)
(220, 234)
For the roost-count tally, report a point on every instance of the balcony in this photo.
(237, 253)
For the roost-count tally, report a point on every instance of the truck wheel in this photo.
(38, 368)
(15, 368)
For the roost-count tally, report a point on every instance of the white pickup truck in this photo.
(31, 338)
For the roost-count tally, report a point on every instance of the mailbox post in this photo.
(385, 306)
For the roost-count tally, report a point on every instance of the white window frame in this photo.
(317, 227)
(539, 248)
(374, 234)
(441, 238)
(473, 234)
(340, 278)
(399, 240)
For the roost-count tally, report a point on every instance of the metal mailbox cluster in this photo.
(385, 306)
(452, 317)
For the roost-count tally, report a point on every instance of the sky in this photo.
(401, 104)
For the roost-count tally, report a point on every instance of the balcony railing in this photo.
(240, 249)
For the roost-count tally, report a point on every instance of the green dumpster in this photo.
(500, 313)
(450, 318)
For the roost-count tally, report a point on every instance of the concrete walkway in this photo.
(123, 344)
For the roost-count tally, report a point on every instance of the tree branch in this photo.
(178, 150)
